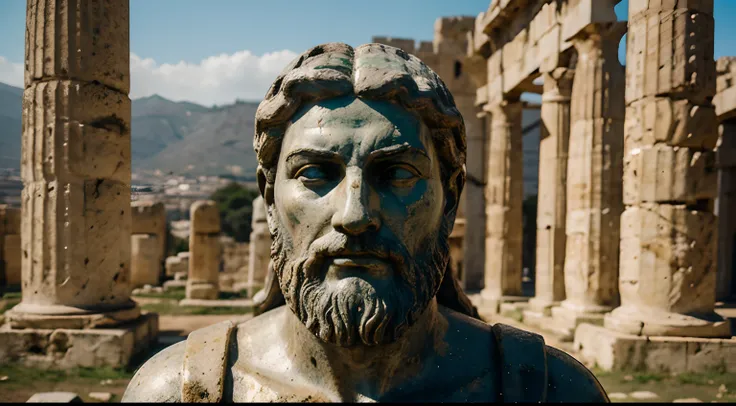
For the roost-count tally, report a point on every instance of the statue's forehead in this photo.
(336, 123)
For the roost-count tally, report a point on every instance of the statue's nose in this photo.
(355, 214)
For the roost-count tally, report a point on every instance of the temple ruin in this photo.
(635, 241)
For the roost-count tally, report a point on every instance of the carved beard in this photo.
(341, 312)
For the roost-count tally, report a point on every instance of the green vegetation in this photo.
(235, 203)
(172, 308)
(706, 386)
(18, 383)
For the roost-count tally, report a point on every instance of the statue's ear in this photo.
(455, 185)
(265, 185)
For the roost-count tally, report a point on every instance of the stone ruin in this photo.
(204, 251)
(148, 242)
(634, 240)
(234, 274)
(75, 222)
(10, 252)
(177, 268)
(260, 251)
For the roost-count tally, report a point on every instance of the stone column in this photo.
(10, 252)
(504, 196)
(668, 230)
(145, 260)
(725, 103)
(594, 171)
(551, 207)
(204, 249)
(474, 244)
(76, 165)
(726, 163)
(260, 246)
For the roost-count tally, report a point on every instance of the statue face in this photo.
(360, 245)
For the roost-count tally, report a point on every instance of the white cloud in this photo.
(11, 73)
(216, 80)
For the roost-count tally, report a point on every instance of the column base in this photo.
(639, 322)
(612, 350)
(26, 315)
(174, 285)
(70, 348)
(568, 316)
(542, 306)
(202, 290)
(489, 303)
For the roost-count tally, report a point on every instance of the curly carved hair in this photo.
(370, 71)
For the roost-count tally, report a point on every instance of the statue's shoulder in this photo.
(535, 372)
(570, 381)
(159, 379)
(193, 370)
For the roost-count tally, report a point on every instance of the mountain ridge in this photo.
(180, 137)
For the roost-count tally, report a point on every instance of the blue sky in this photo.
(237, 46)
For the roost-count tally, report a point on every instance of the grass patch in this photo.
(706, 386)
(174, 294)
(12, 295)
(21, 376)
(7, 304)
(172, 308)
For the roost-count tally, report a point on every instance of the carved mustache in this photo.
(336, 244)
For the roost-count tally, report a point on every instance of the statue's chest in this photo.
(249, 387)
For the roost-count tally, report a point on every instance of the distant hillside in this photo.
(179, 137)
(10, 125)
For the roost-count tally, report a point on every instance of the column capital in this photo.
(558, 85)
(595, 36)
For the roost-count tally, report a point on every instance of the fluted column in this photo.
(504, 196)
(551, 207)
(75, 228)
(668, 230)
(594, 172)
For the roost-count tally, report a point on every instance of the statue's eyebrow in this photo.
(313, 153)
(397, 150)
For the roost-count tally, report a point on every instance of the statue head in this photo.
(361, 165)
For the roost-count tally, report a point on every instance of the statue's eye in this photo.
(398, 173)
(311, 173)
(400, 176)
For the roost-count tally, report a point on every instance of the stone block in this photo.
(72, 348)
(669, 174)
(668, 258)
(12, 257)
(85, 128)
(205, 218)
(145, 261)
(89, 50)
(670, 52)
(204, 263)
(677, 123)
(201, 290)
(725, 104)
(55, 397)
(611, 350)
(148, 218)
(175, 265)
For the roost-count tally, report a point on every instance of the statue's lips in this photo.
(346, 265)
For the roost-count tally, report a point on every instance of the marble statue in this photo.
(361, 157)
